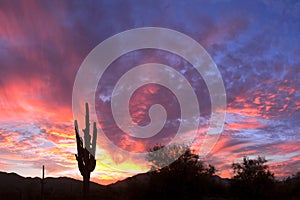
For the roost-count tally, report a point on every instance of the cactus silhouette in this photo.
(86, 154)
(42, 183)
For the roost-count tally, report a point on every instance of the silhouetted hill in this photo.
(140, 178)
(142, 186)
(14, 187)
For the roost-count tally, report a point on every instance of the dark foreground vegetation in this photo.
(186, 178)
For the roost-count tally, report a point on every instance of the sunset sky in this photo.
(255, 45)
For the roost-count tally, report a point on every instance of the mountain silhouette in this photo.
(16, 187)
(150, 185)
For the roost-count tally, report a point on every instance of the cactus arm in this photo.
(86, 131)
(78, 138)
(80, 149)
(94, 139)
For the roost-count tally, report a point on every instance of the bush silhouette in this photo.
(186, 178)
(252, 179)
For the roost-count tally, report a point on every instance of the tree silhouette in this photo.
(187, 177)
(177, 158)
(252, 178)
(289, 187)
(161, 156)
(252, 169)
(86, 154)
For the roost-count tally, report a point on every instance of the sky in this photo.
(255, 45)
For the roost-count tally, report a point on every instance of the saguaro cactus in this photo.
(86, 154)
(42, 183)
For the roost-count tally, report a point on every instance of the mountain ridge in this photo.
(14, 186)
